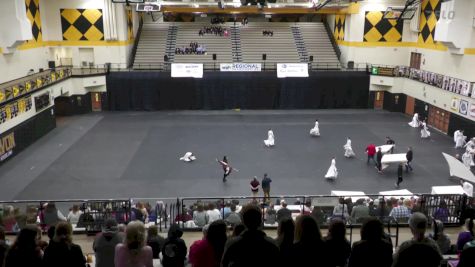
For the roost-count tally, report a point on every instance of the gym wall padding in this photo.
(218, 90)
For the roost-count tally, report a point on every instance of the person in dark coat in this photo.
(399, 175)
(25, 251)
(409, 156)
(155, 241)
(61, 251)
(174, 249)
(105, 242)
(339, 248)
(379, 157)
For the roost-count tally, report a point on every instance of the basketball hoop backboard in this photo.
(397, 13)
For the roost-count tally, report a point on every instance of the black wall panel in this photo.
(460, 123)
(394, 102)
(73, 105)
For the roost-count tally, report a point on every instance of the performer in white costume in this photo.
(425, 131)
(471, 142)
(467, 159)
(471, 151)
(348, 150)
(415, 121)
(315, 131)
(456, 134)
(460, 139)
(270, 139)
(332, 172)
(188, 157)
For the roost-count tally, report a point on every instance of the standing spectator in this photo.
(338, 246)
(420, 250)
(283, 212)
(155, 241)
(200, 217)
(341, 210)
(238, 251)
(133, 252)
(441, 238)
(74, 214)
(308, 246)
(400, 212)
(254, 187)
(467, 235)
(266, 187)
(399, 175)
(379, 157)
(371, 151)
(318, 215)
(62, 251)
(359, 212)
(409, 156)
(3, 245)
(24, 251)
(285, 240)
(105, 243)
(226, 210)
(372, 250)
(174, 249)
(270, 217)
(208, 251)
(442, 212)
(51, 215)
(213, 213)
(233, 218)
(238, 229)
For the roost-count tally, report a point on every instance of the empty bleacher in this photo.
(152, 46)
(318, 45)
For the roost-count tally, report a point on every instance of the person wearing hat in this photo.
(105, 242)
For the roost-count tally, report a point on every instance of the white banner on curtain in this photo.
(240, 67)
(292, 70)
(187, 70)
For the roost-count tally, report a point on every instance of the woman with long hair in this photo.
(61, 251)
(338, 246)
(467, 235)
(25, 251)
(208, 251)
(441, 238)
(285, 239)
(308, 248)
(133, 252)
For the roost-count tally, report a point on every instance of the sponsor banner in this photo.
(187, 70)
(463, 107)
(472, 110)
(242, 67)
(7, 144)
(292, 70)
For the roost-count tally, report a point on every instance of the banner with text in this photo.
(187, 70)
(292, 70)
(242, 67)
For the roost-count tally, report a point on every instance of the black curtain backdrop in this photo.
(218, 90)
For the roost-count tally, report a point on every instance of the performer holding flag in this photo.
(226, 167)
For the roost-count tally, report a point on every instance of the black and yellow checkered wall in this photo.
(379, 29)
(82, 24)
(430, 13)
(130, 25)
(33, 15)
(339, 30)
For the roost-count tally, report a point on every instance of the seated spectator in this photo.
(213, 213)
(337, 245)
(24, 251)
(408, 204)
(51, 215)
(208, 251)
(307, 208)
(238, 229)
(39, 241)
(400, 213)
(318, 215)
(233, 218)
(420, 206)
(155, 241)
(421, 250)
(442, 213)
(133, 252)
(238, 250)
(62, 251)
(372, 250)
(105, 243)
(467, 257)
(441, 238)
(20, 219)
(184, 216)
(359, 212)
(74, 214)
(341, 210)
(285, 240)
(308, 245)
(467, 235)
(270, 217)
(382, 210)
(283, 212)
(3, 245)
(226, 210)
(8, 218)
(174, 249)
(200, 217)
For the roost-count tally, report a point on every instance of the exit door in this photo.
(96, 102)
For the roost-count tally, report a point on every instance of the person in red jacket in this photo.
(371, 151)
(255, 187)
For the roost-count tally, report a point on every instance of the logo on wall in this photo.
(472, 110)
(463, 109)
(454, 105)
(7, 144)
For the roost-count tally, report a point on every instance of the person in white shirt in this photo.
(74, 214)
(459, 139)
(332, 172)
(348, 150)
(270, 139)
(415, 121)
(213, 213)
(467, 187)
(425, 131)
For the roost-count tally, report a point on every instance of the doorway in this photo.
(96, 101)
(439, 119)
(378, 99)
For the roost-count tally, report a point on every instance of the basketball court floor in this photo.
(136, 154)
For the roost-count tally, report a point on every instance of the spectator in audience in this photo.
(318, 215)
(400, 212)
(20, 219)
(155, 241)
(200, 217)
(3, 245)
(283, 212)
(208, 251)
(441, 238)
(24, 251)
(226, 210)
(467, 257)
(213, 213)
(73, 216)
(174, 249)
(408, 204)
(420, 250)
(233, 218)
(467, 235)
(133, 252)
(382, 210)
(285, 240)
(308, 247)
(62, 251)
(105, 243)
(8, 218)
(442, 213)
(239, 250)
(270, 216)
(51, 215)
(183, 217)
(338, 247)
(341, 210)
(359, 212)
(372, 250)
(39, 242)
(238, 229)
